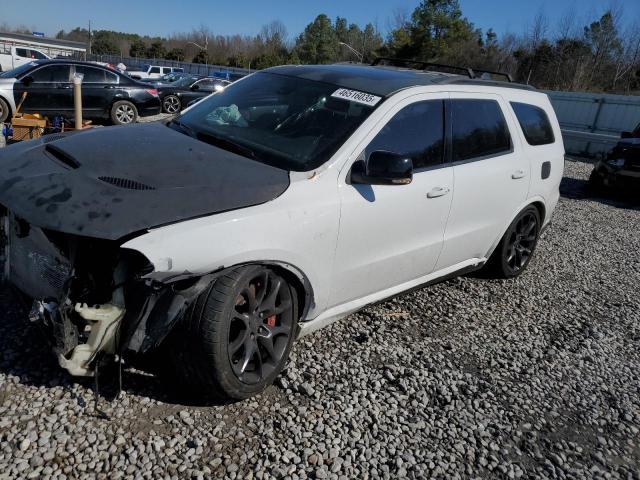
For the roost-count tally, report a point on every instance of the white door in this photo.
(391, 234)
(491, 176)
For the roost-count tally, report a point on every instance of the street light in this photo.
(206, 45)
(358, 54)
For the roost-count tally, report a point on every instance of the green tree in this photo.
(201, 57)
(318, 43)
(138, 49)
(175, 54)
(156, 50)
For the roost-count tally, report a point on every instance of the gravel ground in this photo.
(537, 377)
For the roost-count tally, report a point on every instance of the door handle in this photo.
(438, 192)
(518, 174)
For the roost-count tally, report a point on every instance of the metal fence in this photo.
(195, 68)
(591, 123)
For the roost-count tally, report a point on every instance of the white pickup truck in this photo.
(14, 56)
(153, 71)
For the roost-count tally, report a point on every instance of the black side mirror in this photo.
(28, 80)
(626, 135)
(195, 86)
(383, 168)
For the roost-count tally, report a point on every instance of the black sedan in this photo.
(169, 78)
(620, 171)
(106, 93)
(177, 95)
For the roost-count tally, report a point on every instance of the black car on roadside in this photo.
(106, 93)
(620, 171)
(175, 96)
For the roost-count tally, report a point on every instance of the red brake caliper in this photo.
(271, 321)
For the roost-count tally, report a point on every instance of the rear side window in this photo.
(37, 55)
(416, 131)
(534, 123)
(154, 70)
(91, 75)
(22, 52)
(478, 129)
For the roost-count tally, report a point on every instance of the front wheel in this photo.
(514, 252)
(235, 339)
(171, 104)
(124, 112)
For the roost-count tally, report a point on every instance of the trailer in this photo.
(17, 49)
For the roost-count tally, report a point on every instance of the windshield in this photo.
(18, 70)
(288, 122)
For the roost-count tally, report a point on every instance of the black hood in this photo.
(112, 182)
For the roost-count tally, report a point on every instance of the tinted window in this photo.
(91, 75)
(52, 73)
(37, 55)
(22, 52)
(416, 131)
(207, 85)
(179, 70)
(111, 77)
(154, 70)
(166, 70)
(534, 122)
(478, 129)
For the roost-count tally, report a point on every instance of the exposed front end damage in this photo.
(92, 298)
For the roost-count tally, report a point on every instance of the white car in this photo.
(293, 198)
(12, 56)
(153, 71)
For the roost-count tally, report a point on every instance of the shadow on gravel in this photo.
(26, 354)
(579, 189)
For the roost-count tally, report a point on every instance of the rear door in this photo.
(98, 89)
(491, 176)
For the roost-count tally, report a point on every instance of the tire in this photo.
(5, 110)
(124, 112)
(515, 250)
(214, 356)
(171, 104)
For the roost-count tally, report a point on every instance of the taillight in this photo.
(151, 91)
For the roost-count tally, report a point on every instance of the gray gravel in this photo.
(537, 377)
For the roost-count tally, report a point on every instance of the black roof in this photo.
(382, 80)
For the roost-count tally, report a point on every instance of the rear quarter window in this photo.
(534, 123)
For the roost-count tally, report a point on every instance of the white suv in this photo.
(294, 197)
(153, 71)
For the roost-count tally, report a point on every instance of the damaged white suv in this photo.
(298, 195)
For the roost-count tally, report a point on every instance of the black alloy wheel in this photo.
(515, 250)
(522, 241)
(235, 339)
(171, 104)
(261, 326)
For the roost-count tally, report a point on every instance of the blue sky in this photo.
(163, 17)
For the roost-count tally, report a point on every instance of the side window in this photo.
(37, 55)
(478, 129)
(166, 70)
(416, 131)
(22, 52)
(154, 70)
(91, 75)
(178, 70)
(111, 78)
(52, 74)
(534, 123)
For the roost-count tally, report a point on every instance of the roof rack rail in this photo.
(422, 65)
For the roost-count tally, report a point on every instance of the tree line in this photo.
(601, 55)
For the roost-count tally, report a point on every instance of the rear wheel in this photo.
(124, 112)
(171, 104)
(235, 339)
(5, 111)
(514, 252)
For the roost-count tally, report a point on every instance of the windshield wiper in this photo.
(226, 144)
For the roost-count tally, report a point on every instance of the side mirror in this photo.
(195, 87)
(28, 80)
(626, 135)
(383, 168)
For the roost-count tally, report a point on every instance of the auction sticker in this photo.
(355, 96)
